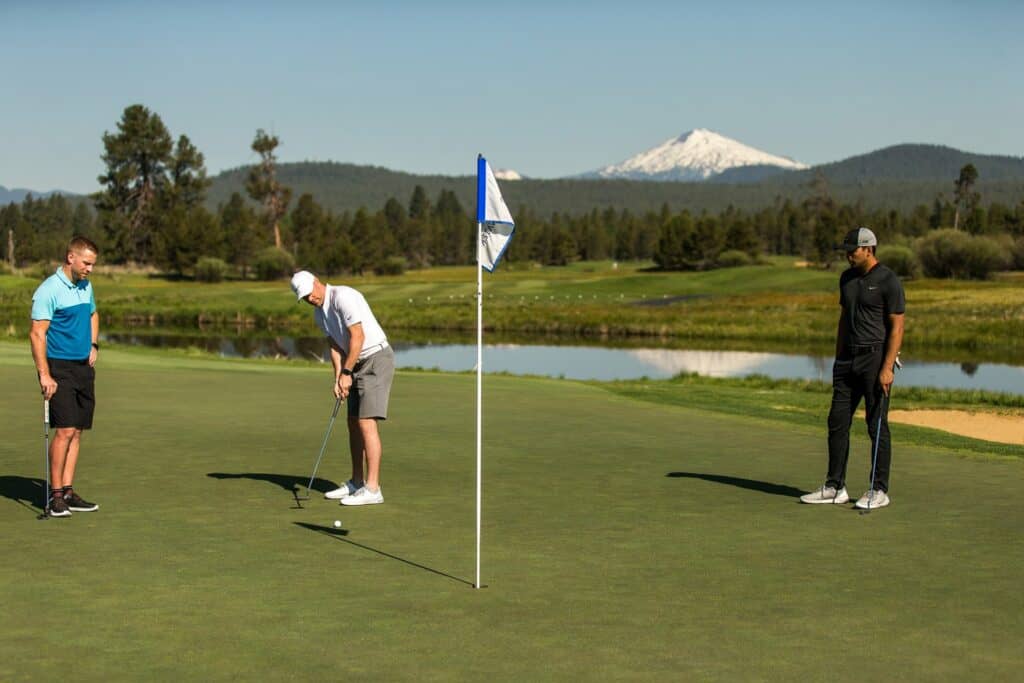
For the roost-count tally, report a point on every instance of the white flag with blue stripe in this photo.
(496, 224)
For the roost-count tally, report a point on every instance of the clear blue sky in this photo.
(547, 88)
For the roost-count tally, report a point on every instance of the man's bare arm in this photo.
(37, 337)
(842, 331)
(892, 349)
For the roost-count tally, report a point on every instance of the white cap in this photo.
(302, 284)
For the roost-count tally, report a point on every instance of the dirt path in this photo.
(986, 426)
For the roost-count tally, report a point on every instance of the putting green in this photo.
(622, 540)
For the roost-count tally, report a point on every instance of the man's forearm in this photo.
(356, 339)
(841, 330)
(354, 349)
(39, 353)
(894, 342)
(336, 359)
(95, 324)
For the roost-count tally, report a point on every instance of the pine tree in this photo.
(264, 187)
(309, 224)
(966, 197)
(137, 159)
(152, 186)
(241, 233)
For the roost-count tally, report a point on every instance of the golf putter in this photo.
(878, 430)
(323, 447)
(46, 458)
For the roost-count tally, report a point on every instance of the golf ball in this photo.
(337, 524)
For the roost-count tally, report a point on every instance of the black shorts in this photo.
(75, 400)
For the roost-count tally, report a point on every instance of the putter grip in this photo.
(46, 411)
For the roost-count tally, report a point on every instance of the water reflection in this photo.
(600, 363)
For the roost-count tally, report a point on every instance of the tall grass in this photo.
(751, 306)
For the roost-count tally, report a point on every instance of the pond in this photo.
(600, 362)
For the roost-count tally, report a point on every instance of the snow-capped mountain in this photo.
(507, 174)
(698, 155)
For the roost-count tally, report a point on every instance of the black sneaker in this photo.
(76, 503)
(58, 507)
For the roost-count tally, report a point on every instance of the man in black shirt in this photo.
(867, 344)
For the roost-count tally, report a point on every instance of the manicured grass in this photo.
(755, 307)
(623, 539)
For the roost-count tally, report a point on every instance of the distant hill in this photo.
(18, 194)
(899, 177)
(912, 163)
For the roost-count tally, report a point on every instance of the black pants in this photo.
(855, 376)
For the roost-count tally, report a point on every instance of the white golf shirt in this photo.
(344, 307)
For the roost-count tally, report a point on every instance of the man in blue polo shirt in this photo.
(65, 343)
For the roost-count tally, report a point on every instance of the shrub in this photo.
(1017, 251)
(902, 260)
(273, 263)
(209, 269)
(733, 258)
(955, 254)
(393, 265)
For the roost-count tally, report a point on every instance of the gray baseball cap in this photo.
(858, 237)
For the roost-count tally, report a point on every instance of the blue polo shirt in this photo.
(69, 307)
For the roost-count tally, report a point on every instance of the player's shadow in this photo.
(26, 491)
(751, 484)
(286, 481)
(339, 535)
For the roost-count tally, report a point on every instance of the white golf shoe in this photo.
(346, 489)
(826, 494)
(364, 496)
(872, 499)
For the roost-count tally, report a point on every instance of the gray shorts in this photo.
(371, 386)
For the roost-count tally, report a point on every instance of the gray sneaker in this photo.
(826, 494)
(872, 499)
(346, 489)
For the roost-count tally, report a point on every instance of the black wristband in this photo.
(96, 346)
(346, 371)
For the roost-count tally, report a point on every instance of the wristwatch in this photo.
(346, 371)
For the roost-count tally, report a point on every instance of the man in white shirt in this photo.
(364, 365)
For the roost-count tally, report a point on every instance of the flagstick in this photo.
(479, 390)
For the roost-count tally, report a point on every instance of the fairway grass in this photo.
(624, 539)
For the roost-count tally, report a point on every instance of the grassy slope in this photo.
(753, 307)
(623, 539)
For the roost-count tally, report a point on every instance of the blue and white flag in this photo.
(496, 224)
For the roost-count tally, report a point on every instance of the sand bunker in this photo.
(986, 426)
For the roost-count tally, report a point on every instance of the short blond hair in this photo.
(82, 243)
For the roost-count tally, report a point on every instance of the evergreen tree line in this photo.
(433, 232)
(151, 211)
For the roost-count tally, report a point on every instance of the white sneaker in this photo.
(872, 499)
(364, 496)
(826, 494)
(346, 489)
